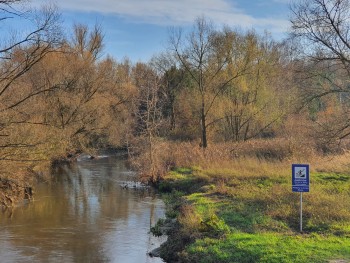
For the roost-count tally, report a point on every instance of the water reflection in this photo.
(83, 216)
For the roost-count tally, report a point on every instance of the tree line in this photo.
(59, 95)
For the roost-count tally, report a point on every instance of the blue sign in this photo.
(300, 178)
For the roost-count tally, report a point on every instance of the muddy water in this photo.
(86, 215)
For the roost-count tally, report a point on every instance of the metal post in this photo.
(301, 212)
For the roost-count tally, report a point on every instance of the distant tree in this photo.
(119, 89)
(251, 103)
(148, 115)
(172, 82)
(205, 55)
(88, 44)
(88, 106)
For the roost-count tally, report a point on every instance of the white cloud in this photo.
(173, 12)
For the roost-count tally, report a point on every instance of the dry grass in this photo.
(246, 157)
(262, 184)
(339, 163)
(190, 219)
(251, 158)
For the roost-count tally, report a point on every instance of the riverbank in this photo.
(246, 212)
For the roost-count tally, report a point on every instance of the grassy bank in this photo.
(245, 211)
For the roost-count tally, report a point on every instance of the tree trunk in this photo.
(204, 128)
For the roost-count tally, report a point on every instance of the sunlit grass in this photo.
(269, 247)
(244, 210)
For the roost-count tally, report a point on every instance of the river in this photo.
(91, 212)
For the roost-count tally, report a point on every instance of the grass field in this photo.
(247, 212)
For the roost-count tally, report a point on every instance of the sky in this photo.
(138, 29)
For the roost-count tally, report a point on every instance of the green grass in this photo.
(331, 177)
(268, 247)
(233, 217)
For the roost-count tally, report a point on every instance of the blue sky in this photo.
(138, 29)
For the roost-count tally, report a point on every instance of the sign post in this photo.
(301, 212)
(301, 183)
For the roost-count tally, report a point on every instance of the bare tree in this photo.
(324, 24)
(322, 27)
(19, 146)
(148, 117)
(205, 54)
(17, 57)
(88, 44)
(172, 82)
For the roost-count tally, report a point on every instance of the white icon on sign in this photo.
(300, 172)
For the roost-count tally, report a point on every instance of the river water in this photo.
(85, 215)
